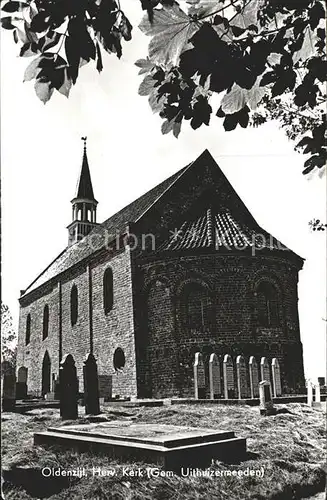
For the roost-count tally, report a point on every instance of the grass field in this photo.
(290, 448)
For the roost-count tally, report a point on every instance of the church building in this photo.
(185, 268)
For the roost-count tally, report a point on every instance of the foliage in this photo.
(317, 225)
(8, 336)
(244, 61)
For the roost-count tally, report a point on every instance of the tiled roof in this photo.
(219, 229)
(118, 222)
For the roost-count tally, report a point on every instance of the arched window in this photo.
(73, 305)
(197, 305)
(28, 330)
(45, 321)
(119, 359)
(108, 290)
(267, 304)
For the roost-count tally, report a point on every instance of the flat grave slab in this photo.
(170, 446)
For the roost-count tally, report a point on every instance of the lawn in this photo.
(289, 448)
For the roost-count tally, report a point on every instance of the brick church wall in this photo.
(31, 356)
(232, 325)
(116, 329)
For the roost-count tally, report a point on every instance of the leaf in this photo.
(125, 27)
(12, 6)
(177, 128)
(145, 65)
(156, 102)
(248, 15)
(6, 23)
(307, 49)
(238, 97)
(32, 70)
(40, 22)
(171, 30)
(43, 90)
(147, 85)
(66, 86)
(167, 126)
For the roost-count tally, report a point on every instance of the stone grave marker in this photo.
(8, 379)
(105, 386)
(266, 401)
(264, 369)
(21, 384)
(317, 393)
(214, 376)
(199, 377)
(309, 393)
(254, 377)
(56, 388)
(228, 372)
(68, 388)
(91, 386)
(277, 385)
(242, 383)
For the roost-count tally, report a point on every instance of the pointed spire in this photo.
(84, 185)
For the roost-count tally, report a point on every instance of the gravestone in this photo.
(8, 379)
(242, 383)
(105, 387)
(264, 369)
(91, 386)
(199, 377)
(214, 376)
(309, 393)
(254, 377)
(68, 388)
(56, 388)
(21, 384)
(266, 401)
(317, 393)
(277, 386)
(228, 372)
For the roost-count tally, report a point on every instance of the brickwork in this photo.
(31, 356)
(231, 326)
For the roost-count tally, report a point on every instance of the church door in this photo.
(46, 374)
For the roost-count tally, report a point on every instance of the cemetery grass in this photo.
(290, 447)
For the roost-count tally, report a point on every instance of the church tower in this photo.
(84, 205)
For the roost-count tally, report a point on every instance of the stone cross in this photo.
(214, 376)
(8, 379)
(199, 377)
(242, 383)
(264, 369)
(228, 372)
(266, 401)
(277, 386)
(254, 377)
(68, 388)
(309, 393)
(91, 386)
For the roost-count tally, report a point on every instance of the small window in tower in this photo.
(45, 321)
(28, 330)
(108, 290)
(267, 304)
(119, 359)
(74, 305)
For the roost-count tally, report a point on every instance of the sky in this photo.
(41, 154)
